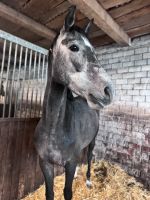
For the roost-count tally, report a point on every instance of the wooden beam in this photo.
(26, 22)
(92, 9)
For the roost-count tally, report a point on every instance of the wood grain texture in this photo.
(19, 167)
(102, 19)
(107, 4)
(129, 14)
(22, 20)
(18, 159)
(128, 8)
(135, 32)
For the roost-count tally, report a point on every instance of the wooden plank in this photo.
(102, 40)
(22, 20)
(9, 164)
(3, 153)
(57, 11)
(33, 8)
(81, 23)
(18, 130)
(102, 19)
(128, 8)
(6, 165)
(135, 18)
(30, 154)
(22, 173)
(107, 4)
(43, 43)
(57, 23)
(16, 4)
(96, 34)
(40, 10)
(138, 31)
(135, 32)
(18, 164)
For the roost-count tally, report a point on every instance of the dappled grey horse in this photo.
(70, 124)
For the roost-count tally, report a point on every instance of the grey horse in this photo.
(70, 124)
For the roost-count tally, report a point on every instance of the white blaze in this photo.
(87, 43)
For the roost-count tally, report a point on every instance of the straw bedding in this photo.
(109, 182)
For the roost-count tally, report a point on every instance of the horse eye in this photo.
(74, 48)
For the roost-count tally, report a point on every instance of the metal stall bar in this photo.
(37, 88)
(12, 82)
(2, 92)
(41, 81)
(43, 66)
(7, 74)
(17, 82)
(3, 61)
(28, 87)
(23, 81)
(32, 92)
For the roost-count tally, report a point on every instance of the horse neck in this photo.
(54, 104)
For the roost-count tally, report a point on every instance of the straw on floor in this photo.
(109, 182)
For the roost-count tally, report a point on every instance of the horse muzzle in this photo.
(105, 100)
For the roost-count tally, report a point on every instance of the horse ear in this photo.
(87, 27)
(70, 18)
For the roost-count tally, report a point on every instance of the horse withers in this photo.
(70, 124)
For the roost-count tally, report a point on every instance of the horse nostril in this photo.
(108, 93)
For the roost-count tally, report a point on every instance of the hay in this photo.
(110, 182)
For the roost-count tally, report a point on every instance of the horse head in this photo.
(76, 66)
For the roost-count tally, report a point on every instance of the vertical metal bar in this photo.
(25, 66)
(32, 91)
(12, 82)
(38, 82)
(17, 83)
(41, 88)
(39, 65)
(35, 58)
(46, 71)
(35, 104)
(43, 66)
(31, 103)
(36, 88)
(29, 74)
(8, 66)
(3, 61)
(2, 69)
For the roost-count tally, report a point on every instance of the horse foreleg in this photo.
(89, 159)
(70, 168)
(48, 172)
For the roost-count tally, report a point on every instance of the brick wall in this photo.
(124, 134)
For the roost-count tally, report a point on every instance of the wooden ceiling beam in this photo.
(134, 32)
(92, 9)
(26, 22)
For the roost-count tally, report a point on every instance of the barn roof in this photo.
(38, 21)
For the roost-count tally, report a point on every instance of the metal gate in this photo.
(23, 72)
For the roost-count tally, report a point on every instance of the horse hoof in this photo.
(89, 184)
